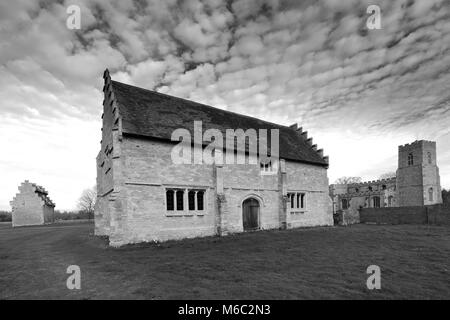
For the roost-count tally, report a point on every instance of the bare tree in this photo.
(348, 180)
(388, 175)
(86, 202)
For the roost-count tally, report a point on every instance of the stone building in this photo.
(31, 206)
(144, 196)
(417, 183)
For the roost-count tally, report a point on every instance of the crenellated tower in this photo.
(418, 181)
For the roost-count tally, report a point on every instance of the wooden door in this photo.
(250, 214)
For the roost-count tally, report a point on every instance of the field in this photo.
(315, 263)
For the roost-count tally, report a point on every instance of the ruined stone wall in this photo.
(49, 214)
(27, 207)
(385, 189)
(351, 215)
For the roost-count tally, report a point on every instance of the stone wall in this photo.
(107, 158)
(415, 180)
(137, 207)
(313, 181)
(27, 207)
(439, 214)
(435, 214)
(148, 171)
(396, 215)
(49, 214)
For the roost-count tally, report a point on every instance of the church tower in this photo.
(418, 181)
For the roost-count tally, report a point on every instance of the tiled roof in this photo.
(151, 114)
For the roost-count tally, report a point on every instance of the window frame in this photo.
(378, 198)
(347, 204)
(410, 159)
(166, 193)
(297, 202)
(390, 201)
(186, 207)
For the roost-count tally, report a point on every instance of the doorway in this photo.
(250, 214)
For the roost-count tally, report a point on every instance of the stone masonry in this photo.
(31, 206)
(135, 174)
(417, 183)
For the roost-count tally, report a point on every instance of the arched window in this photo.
(390, 201)
(376, 202)
(410, 159)
(430, 194)
(430, 159)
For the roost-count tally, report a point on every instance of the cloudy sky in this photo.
(360, 93)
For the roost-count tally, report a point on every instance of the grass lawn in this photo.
(311, 263)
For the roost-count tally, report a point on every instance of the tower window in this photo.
(410, 159)
(430, 194)
(430, 159)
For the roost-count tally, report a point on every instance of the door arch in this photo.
(250, 214)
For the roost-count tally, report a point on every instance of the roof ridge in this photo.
(202, 104)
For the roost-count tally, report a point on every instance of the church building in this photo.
(144, 195)
(417, 183)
